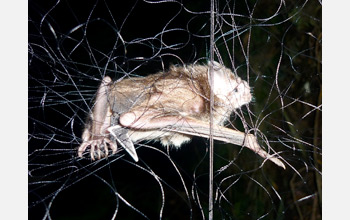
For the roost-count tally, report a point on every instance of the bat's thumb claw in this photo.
(277, 161)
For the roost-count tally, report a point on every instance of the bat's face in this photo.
(233, 91)
(239, 93)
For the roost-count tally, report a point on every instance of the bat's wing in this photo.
(229, 136)
(141, 120)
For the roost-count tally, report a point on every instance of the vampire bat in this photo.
(169, 107)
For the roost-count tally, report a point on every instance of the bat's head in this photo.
(231, 90)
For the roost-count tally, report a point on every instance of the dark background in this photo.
(73, 44)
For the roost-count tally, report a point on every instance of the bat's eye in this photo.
(235, 90)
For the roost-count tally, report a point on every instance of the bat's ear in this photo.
(221, 76)
(216, 66)
(224, 81)
(219, 71)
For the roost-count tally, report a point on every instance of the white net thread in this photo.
(275, 47)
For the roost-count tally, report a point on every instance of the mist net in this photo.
(274, 45)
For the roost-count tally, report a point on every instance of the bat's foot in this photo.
(98, 148)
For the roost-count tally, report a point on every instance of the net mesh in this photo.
(276, 47)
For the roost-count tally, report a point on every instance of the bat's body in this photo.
(167, 106)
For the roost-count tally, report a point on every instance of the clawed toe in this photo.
(98, 148)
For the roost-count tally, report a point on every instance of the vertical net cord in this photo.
(211, 142)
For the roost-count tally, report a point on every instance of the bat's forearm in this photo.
(229, 136)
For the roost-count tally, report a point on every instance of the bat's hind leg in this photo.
(95, 135)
